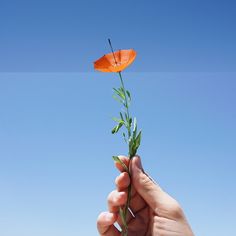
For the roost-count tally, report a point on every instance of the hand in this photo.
(156, 213)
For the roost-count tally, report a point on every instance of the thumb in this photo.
(144, 185)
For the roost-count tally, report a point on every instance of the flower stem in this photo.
(126, 104)
(126, 207)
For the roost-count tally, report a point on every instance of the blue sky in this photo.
(55, 118)
(66, 36)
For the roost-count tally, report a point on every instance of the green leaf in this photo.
(113, 130)
(116, 119)
(117, 127)
(116, 91)
(121, 116)
(118, 160)
(131, 142)
(134, 127)
(118, 99)
(120, 93)
(128, 93)
(134, 143)
(138, 140)
(130, 121)
(126, 117)
(124, 137)
(122, 90)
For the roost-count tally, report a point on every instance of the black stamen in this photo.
(109, 41)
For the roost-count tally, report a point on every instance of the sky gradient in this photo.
(66, 36)
(56, 146)
(55, 111)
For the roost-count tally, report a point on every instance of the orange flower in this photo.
(115, 62)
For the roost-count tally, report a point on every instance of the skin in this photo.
(156, 213)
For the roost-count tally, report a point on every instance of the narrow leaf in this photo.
(116, 91)
(130, 121)
(138, 140)
(118, 99)
(113, 130)
(134, 127)
(124, 137)
(121, 116)
(117, 127)
(119, 92)
(126, 117)
(131, 144)
(118, 160)
(116, 119)
(128, 93)
(121, 89)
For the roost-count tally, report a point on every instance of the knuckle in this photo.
(176, 210)
(159, 232)
(145, 182)
(110, 197)
(100, 217)
(117, 181)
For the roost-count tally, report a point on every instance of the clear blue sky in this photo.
(66, 35)
(55, 142)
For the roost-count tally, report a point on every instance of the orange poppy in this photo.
(115, 62)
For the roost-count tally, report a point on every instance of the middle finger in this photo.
(115, 200)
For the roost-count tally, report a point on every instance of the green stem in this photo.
(126, 103)
(126, 208)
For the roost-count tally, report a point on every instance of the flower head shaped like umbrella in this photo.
(115, 61)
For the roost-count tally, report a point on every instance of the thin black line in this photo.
(109, 41)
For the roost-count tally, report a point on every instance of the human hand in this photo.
(156, 213)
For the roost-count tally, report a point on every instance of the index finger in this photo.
(105, 225)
